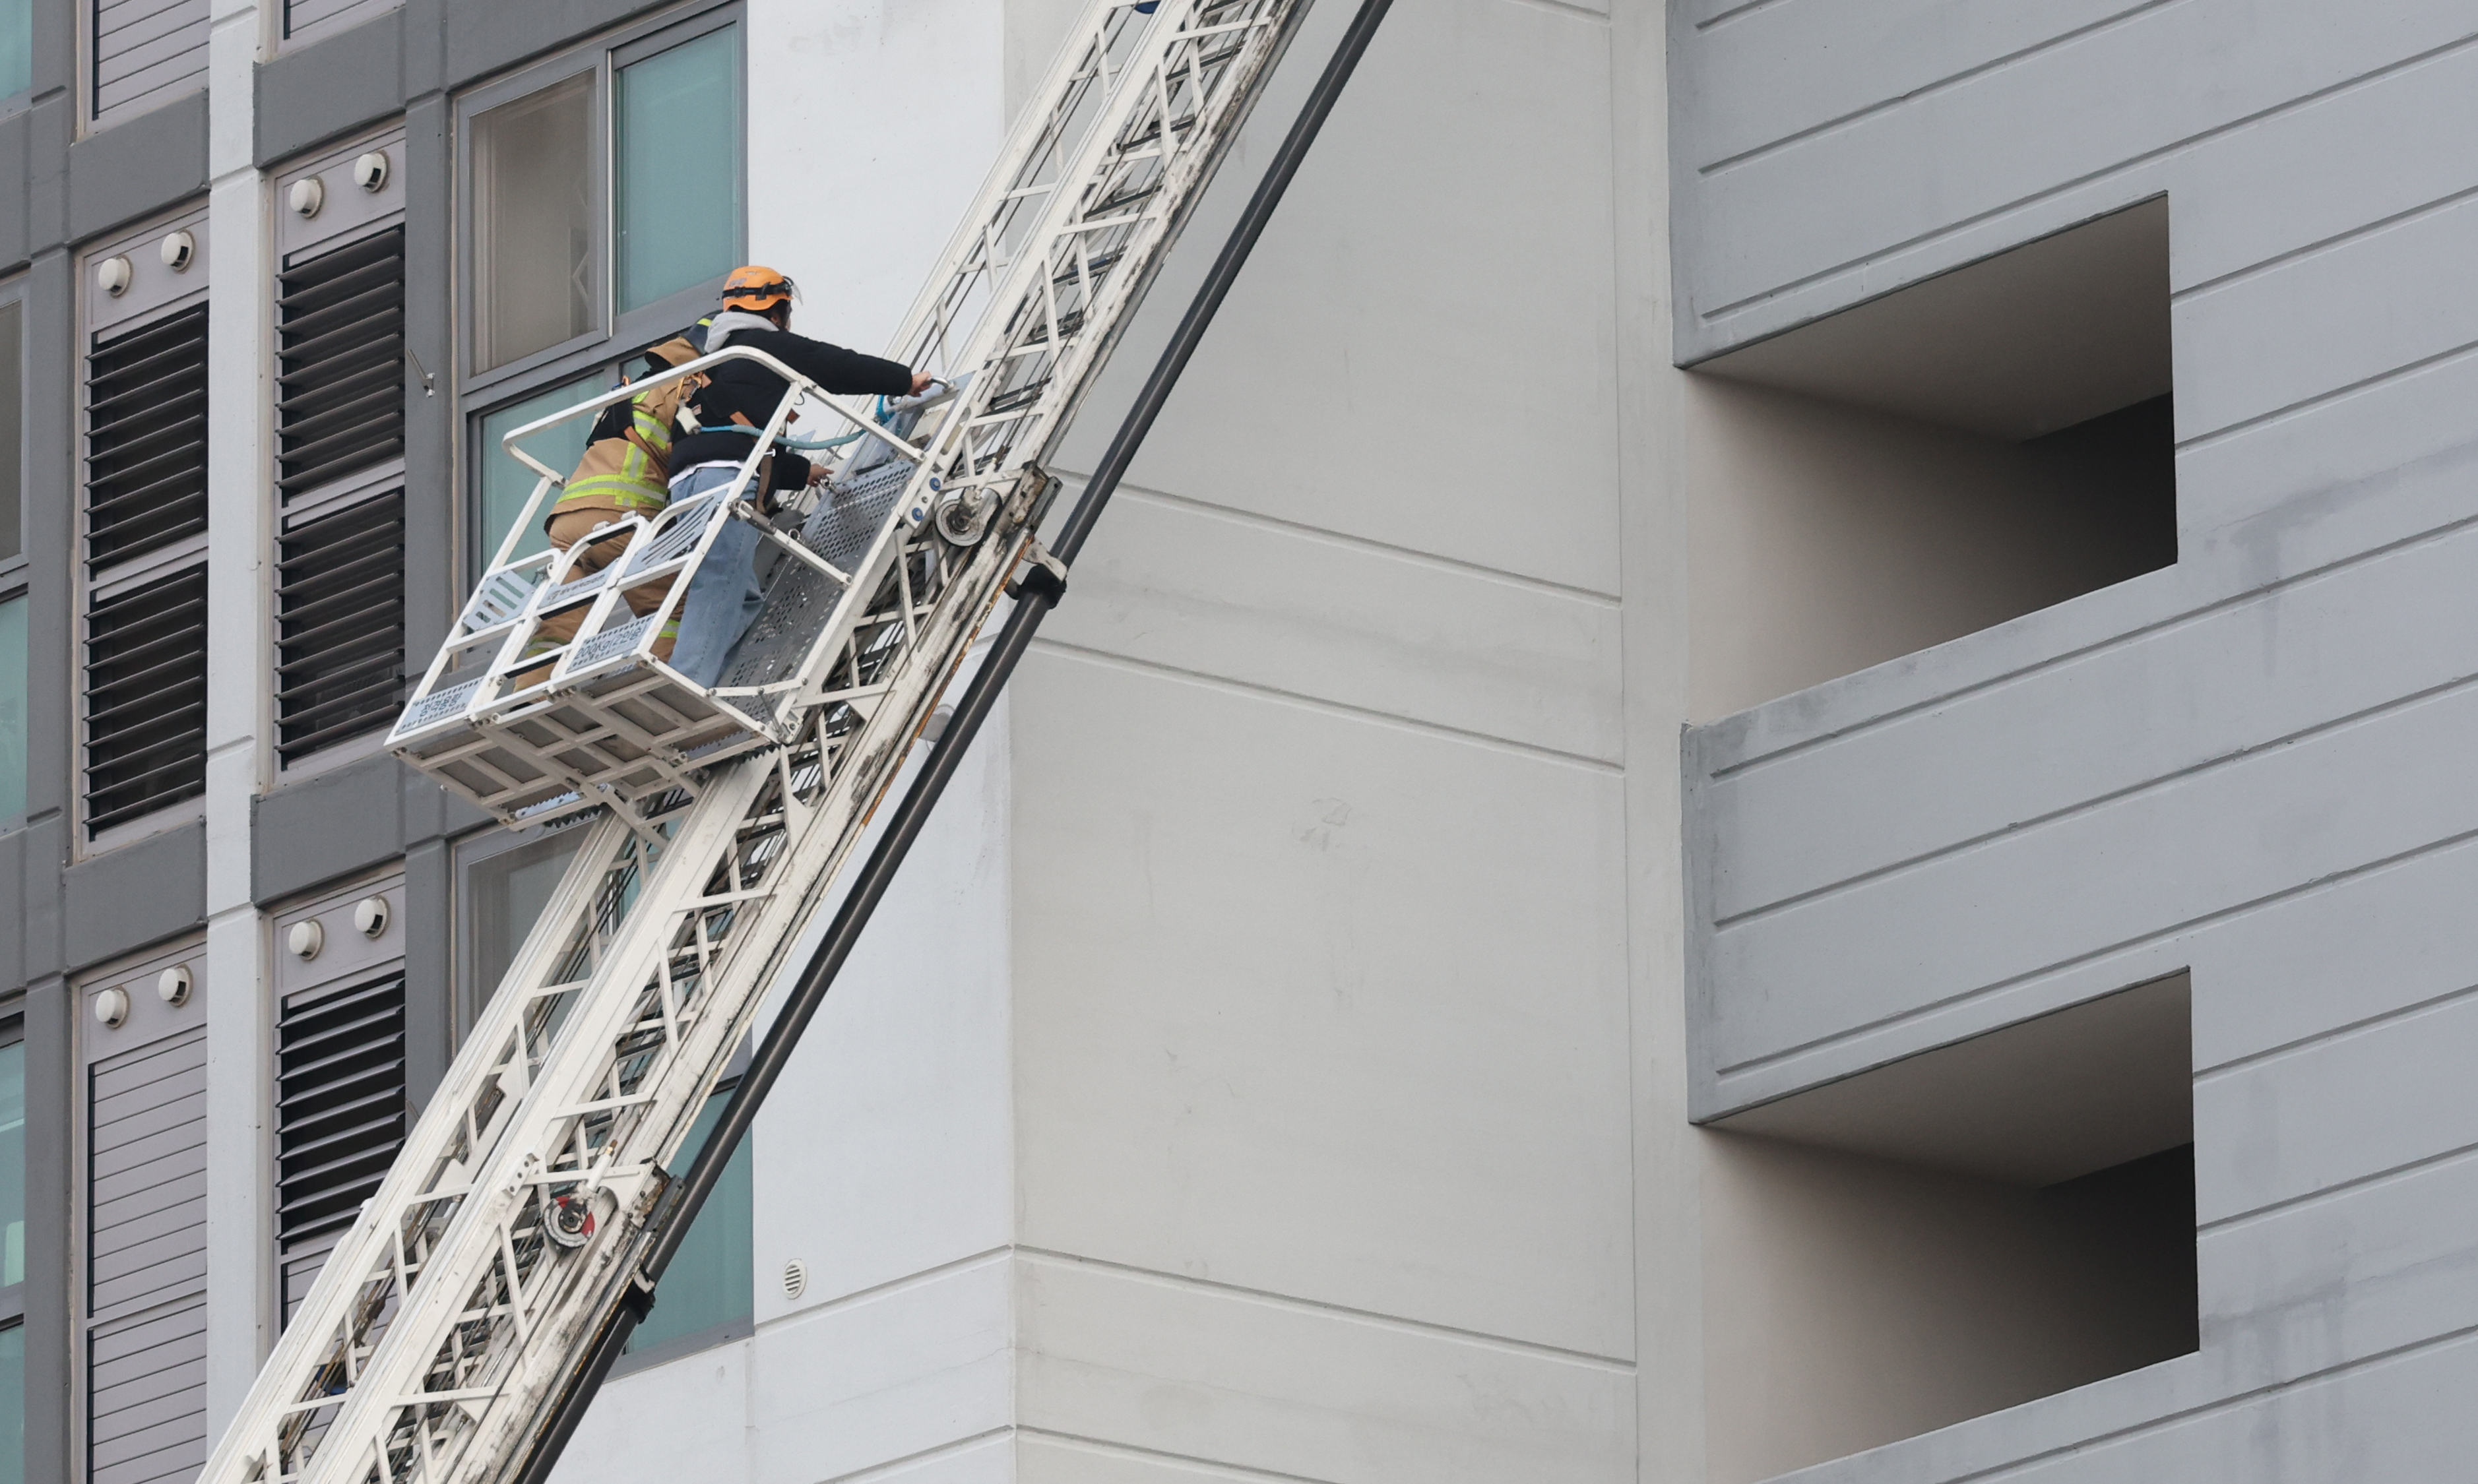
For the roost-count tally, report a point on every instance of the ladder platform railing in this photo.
(531, 726)
(466, 1297)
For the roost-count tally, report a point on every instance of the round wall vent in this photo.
(796, 1279)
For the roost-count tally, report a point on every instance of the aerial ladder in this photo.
(458, 1327)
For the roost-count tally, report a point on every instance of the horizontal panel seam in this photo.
(1159, 1455)
(2169, 623)
(1319, 703)
(2328, 1034)
(1565, 7)
(2086, 179)
(1971, 73)
(1734, 12)
(1533, 1349)
(2211, 918)
(2228, 1403)
(1329, 537)
(883, 1468)
(2281, 413)
(2288, 1204)
(2430, 207)
(2311, 732)
(987, 1257)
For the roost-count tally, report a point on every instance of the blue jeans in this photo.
(724, 597)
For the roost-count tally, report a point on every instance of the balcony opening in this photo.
(1969, 449)
(1952, 1234)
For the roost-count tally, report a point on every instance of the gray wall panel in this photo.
(2155, 705)
(16, 142)
(142, 893)
(325, 827)
(2336, 1111)
(1754, 227)
(137, 168)
(343, 83)
(2255, 764)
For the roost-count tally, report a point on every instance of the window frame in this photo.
(619, 337)
(603, 59)
(466, 994)
(17, 571)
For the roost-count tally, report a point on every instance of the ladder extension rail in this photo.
(514, 1222)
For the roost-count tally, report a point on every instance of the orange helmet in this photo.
(756, 288)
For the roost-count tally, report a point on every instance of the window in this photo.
(12, 425)
(533, 223)
(13, 597)
(505, 485)
(710, 1289)
(503, 883)
(12, 707)
(678, 169)
(554, 257)
(12, 1259)
(17, 75)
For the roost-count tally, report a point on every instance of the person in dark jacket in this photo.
(724, 597)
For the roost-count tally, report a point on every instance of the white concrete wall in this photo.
(1319, 941)
(1239, 1084)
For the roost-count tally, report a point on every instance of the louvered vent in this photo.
(339, 625)
(339, 1103)
(147, 437)
(339, 384)
(146, 1261)
(146, 699)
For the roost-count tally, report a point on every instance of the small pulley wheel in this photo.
(571, 1218)
(963, 516)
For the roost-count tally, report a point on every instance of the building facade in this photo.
(1758, 776)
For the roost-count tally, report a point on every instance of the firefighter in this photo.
(625, 471)
(736, 401)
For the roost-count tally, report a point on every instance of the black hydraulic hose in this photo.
(1038, 592)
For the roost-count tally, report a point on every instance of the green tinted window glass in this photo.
(16, 62)
(509, 892)
(678, 169)
(12, 425)
(12, 709)
(12, 1165)
(506, 483)
(713, 1280)
(13, 1405)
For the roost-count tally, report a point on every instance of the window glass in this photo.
(713, 1279)
(677, 170)
(16, 60)
(507, 893)
(533, 224)
(506, 483)
(12, 424)
(13, 710)
(12, 1165)
(13, 1405)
